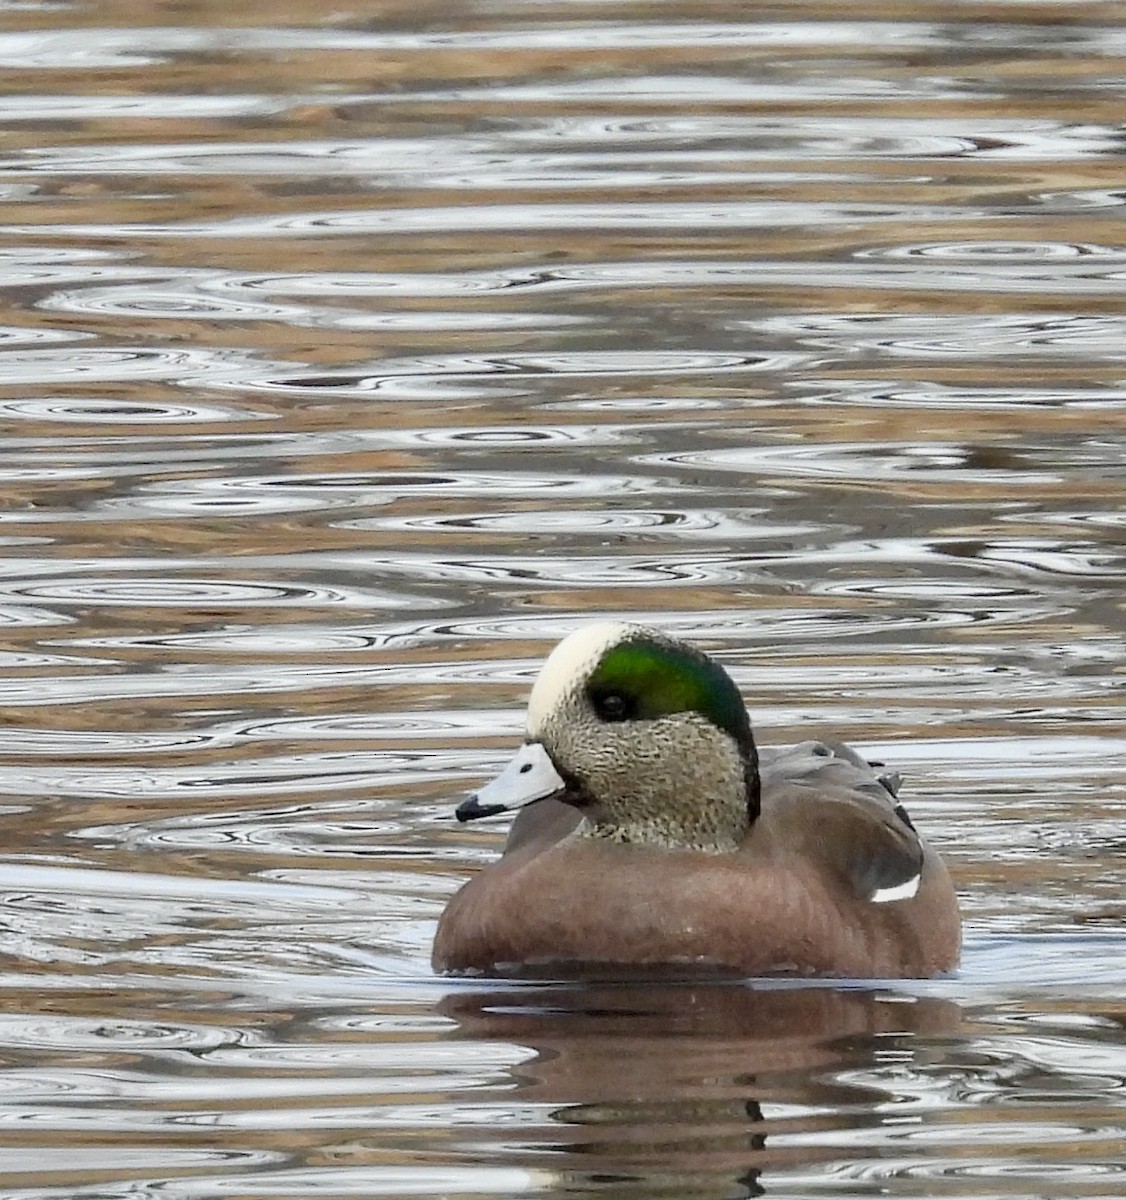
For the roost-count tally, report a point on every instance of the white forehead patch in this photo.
(571, 662)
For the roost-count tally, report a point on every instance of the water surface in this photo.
(347, 361)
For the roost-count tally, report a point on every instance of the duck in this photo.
(651, 833)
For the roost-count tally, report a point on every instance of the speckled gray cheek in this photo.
(676, 781)
(568, 732)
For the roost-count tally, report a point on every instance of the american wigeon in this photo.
(651, 832)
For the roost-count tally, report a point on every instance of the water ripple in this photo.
(196, 593)
(104, 365)
(259, 494)
(517, 218)
(585, 362)
(932, 679)
(1055, 336)
(462, 375)
(324, 773)
(11, 336)
(872, 462)
(924, 395)
(760, 624)
(80, 410)
(738, 525)
(1025, 268)
(85, 48)
(143, 47)
(1033, 278)
(79, 1034)
(1004, 252)
(811, 137)
(126, 300)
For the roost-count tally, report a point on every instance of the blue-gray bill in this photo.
(529, 776)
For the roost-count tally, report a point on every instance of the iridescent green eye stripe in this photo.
(665, 679)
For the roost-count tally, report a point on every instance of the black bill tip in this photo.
(471, 809)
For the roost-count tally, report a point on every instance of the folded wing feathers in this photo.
(876, 847)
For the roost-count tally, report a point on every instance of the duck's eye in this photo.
(613, 706)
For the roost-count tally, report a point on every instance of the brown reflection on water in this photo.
(697, 1083)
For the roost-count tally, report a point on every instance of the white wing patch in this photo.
(899, 891)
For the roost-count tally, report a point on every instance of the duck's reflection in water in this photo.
(699, 1088)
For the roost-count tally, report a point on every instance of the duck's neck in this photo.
(720, 828)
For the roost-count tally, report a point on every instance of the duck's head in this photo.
(644, 734)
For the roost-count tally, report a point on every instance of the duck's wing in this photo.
(826, 802)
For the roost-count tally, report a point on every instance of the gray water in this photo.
(351, 357)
